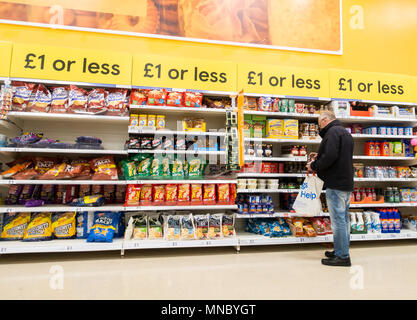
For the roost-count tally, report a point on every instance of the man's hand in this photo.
(312, 156)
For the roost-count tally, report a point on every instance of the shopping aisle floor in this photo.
(383, 270)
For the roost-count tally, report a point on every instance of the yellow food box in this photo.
(274, 128)
(151, 120)
(290, 129)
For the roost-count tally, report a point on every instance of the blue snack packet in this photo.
(104, 226)
(84, 222)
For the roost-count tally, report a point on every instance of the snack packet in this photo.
(298, 224)
(104, 168)
(64, 225)
(13, 194)
(158, 195)
(154, 226)
(60, 193)
(309, 230)
(42, 101)
(120, 194)
(140, 227)
(43, 164)
(26, 139)
(77, 100)
(202, 225)
(116, 102)
(133, 195)
(26, 193)
(21, 95)
(144, 164)
(196, 194)
(165, 167)
(157, 97)
(109, 193)
(193, 99)
(70, 193)
(79, 169)
(209, 194)
(97, 189)
(88, 201)
(195, 169)
(14, 225)
(59, 100)
(155, 168)
(39, 227)
(139, 97)
(104, 226)
(129, 169)
(15, 169)
(84, 222)
(85, 190)
(215, 226)
(184, 194)
(97, 101)
(146, 195)
(27, 174)
(223, 193)
(175, 99)
(172, 227)
(228, 225)
(187, 227)
(171, 194)
(178, 169)
(57, 172)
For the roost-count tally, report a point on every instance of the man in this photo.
(333, 164)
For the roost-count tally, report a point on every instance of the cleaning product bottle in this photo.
(376, 222)
(352, 222)
(384, 221)
(390, 216)
(397, 221)
(368, 221)
(360, 225)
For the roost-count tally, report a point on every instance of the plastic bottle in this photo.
(396, 193)
(352, 222)
(360, 225)
(376, 222)
(384, 221)
(368, 221)
(374, 197)
(397, 221)
(391, 217)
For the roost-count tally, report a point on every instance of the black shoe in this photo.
(330, 254)
(336, 262)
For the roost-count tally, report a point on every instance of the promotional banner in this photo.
(5, 56)
(307, 25)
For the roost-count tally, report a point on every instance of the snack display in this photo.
(104, 226)
(39, 227)
(64, 225)
(14, 225)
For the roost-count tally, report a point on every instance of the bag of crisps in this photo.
(157, 97)
(21, 95)
(132, 195)
(77, 100)
(158, 194)
(215, 226)
(202, 225)
(97, 101)
(172, 227)
(104, 226)
(146, 195)
(223, 193)
(209, 194)
(59, 100)
(104, 168)
(196, 194)
(39, 227)
(228, 225)
(116, 102)
(184, 194)
(139, 97)
(64, 225)
(140, 227)
(42, 101)
(187, 227)
(14, 225)
(154, 226)
(175, 99)
(171, 194)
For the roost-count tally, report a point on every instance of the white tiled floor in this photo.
(389, 270)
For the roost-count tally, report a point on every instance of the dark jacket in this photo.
(334, 164)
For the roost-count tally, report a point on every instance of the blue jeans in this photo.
(338, 203)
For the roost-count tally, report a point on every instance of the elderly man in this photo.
(334, 165)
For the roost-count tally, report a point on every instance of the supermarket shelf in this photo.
(282, 114)
(7, 125)
(60, 208)
(271, 175)
(178, 152)
(64, 116)
(67, 182)
(382, 158)
(172, 132)
(270, 159)
(160, 244)
(201, 181)
(306, 141)
(76, 83)
(383, 205)
(385, 179)
(358, 119)
(382, 103)
(58, 245)
(381, 136)
(168, 109)
(189, 207)
(274, 215)
(298, 98)
(270, 191)
(68, 151)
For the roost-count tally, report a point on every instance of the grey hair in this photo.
(326, 114)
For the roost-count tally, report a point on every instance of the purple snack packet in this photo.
(34, 203)
(26, 194)
(13, 194)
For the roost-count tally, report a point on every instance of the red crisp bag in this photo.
(209, 194)
(132, 195)
(193, 99)
(79, 169)
(171, 194)
(21, 95)
(146, 195)
(175, 99)
(43, 164)
(156, 97)
(223, 193)
(104, 168)
(77, 100)
(233, 193)
(139, 97)
(116, 102)
(184, 195)
(59, 101)
(27, 174)
(42, 101)
(97, 101)
(196, 194)
(158, 194)
(57, 172)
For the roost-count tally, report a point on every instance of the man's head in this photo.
(325, 118)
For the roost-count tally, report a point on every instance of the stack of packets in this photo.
(154, 226)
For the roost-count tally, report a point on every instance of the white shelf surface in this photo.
(360, 157)
(134, 130)
(383, 205)
(381, 136)
(385, 179)
(306, 141)
(69, 151)
(67, 182)
(270, 191)
(271, 175)
(59, 208)
(169, 109)
(177, 152)
(273, 159)
(160, 244)
(376, 119)
(188, 207)
(274, 215)
(64, 116)
(201, 181)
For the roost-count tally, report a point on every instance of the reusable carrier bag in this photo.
(307, 203)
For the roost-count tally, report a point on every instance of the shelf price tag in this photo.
(3, 250)
(361, 85)
(70, 64)
(279, 80)
(166, 72)
(6, 55)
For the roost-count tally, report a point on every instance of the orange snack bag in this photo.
(193, 99)
(184, 194)
(132, 195)
(43, 164)
(175, 99)
(171, 194)
(209, 194)
(104, 168)
(146, 195)
(158, 194)
(139, 97)
(233, 192)
(16, 169)
(223, 193)
(157, 97)
(196, 194)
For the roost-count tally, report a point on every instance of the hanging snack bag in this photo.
(158, 195)
(47, 193)
(144, 162)
(42, 101)
(139, 97)
(97, 101)
(129, 169)
(59, 100)
(39, 227)
(14, 225)
(104, 226)
(223, 193)
(156, 97)
(172, 227)
(120, 193)
(116, 102)
(209, 194)
(146, 195)
(193, 99)
(109, 193)
(171, 194)
(202, 225)
(140, 227)
(178, 169)
(132, 195)
(21, 95)
(187, 227)
(77, 100)
(13, 194)
(196, 194)
(175, 99)
(195, 169)
(184, 194)
(154, 226)
(26, 193)
(215, 226)
(155, 168)
(228, 225)
(104, 168)
(64, 225)
(165, 167)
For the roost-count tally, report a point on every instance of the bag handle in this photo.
(308, 172)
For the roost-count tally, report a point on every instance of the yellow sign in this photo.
(6, 54)
(240, 124)
(277, 80)
(70, 64)
(159, 71)
(414, 89)
(361, 85)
